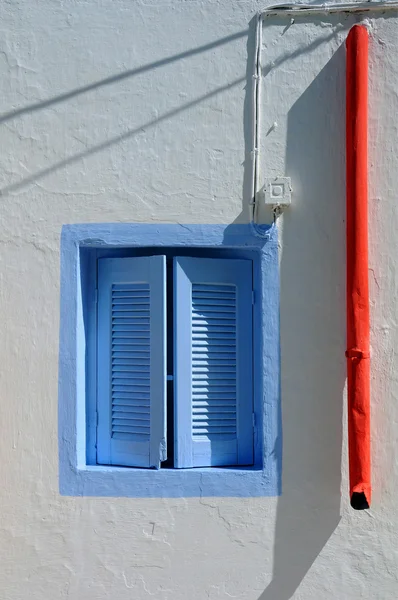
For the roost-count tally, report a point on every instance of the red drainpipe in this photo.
(358, 363)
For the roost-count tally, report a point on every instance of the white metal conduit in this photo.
(325, 9)
(293, 10)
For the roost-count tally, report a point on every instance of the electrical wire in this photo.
(291, 10)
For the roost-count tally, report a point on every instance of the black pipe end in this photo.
(358, 501)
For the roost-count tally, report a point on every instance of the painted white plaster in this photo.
(172, 144)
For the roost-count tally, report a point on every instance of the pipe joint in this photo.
(355, 353)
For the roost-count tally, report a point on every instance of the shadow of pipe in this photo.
(312, 276)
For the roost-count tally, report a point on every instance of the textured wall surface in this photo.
(141, 111)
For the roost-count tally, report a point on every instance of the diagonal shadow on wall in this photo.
(312, 330)
(118, 77)
(12, 187)
(113, 80)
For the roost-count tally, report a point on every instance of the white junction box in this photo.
(276, 191)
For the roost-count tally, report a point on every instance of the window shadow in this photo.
(312, 283)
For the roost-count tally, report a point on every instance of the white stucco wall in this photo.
(171, 142)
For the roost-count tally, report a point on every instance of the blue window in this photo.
(169, 361)
(211, 345)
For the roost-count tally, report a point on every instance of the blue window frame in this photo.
(137, 376)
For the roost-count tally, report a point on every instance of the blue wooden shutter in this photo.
(213, 362)
(131, 395)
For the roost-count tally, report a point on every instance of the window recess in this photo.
(174, 362)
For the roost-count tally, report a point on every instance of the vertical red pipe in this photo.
(358, 363)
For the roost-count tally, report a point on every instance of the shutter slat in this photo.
(128, 321)
(202, 355)
(131, 373)
(214, 363)
(130, 362)
(126, 408)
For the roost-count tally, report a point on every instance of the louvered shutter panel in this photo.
(131, 394)
(213, 362)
